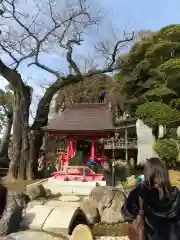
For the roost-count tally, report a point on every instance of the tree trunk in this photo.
(25, 131)
(41, 120)
(25, 152)
(36, 140)
(20, 158)
(25, 143)
(16, 138)
(4, 146)
(6, 136)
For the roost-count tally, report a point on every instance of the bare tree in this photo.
(54, 26)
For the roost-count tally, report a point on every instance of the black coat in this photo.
(162, 217)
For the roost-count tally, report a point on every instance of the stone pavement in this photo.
(32, 235)
(42, 220)
(54, 216)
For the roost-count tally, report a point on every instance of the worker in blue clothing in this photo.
(101, 96)
(92, 164)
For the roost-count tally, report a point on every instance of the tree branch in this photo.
(73, 27)
(114, 54)
(69, 48)
(44, 104)
(79, 12)
(11, 75)
(110, 66)
(19, 22)
(42, 66)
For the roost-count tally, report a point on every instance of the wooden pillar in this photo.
(72, 148)
(93, 148)
(75, 147)
(68, 149)
(126, 144)
(113, 164)
(68, 154)
(102, 152)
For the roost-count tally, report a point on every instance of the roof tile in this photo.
(82, 117)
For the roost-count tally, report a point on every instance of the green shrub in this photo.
(157, 113)
(166, 149)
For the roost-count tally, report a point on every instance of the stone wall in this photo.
(145, 141)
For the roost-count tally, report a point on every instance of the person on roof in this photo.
(101, 96)
(161, 203)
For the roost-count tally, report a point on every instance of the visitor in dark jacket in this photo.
(161, 203)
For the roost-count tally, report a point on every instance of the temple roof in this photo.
(82, 117)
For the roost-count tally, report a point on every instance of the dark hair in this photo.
(3, 198)
(156, 175)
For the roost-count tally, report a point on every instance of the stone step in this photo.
(56, 203)
(35, 217)
(69, 198)
(70, 187)
(59, 219)
(53, 217)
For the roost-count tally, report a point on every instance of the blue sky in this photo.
(141, 14)
(135, 15)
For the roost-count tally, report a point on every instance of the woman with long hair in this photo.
(161, 203)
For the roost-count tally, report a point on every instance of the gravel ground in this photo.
(111, 238)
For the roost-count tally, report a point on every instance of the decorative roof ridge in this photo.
(108, 105)
(93, 103)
